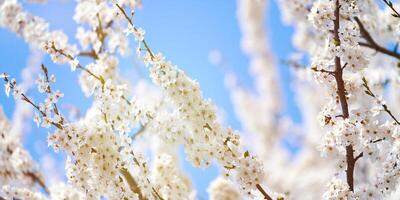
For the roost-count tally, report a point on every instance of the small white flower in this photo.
(46, 122)
(3, 75)
(42, 84)
(138, 50)
(74, 64)
(129, 30)
(57, 119)
(139, 34)
(52, 78)
(7, 88)
(36, 119)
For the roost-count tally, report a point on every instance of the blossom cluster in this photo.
(127, 144)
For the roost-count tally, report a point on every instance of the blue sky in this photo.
(185, 31)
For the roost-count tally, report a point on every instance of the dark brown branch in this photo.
(351, 162)
(370, 42)
(390, 4)
(323, 71)
(390, 114)
(359, 156)
(341, 91)
(37, 179)
(266, 196)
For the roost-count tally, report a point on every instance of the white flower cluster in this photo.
(322, 14)
(94, 162)
(364, 130)
(388, 180)
(15, 162)
(65, 192)
(266, 100)
(338, 189)
(205, 138)
(172, 183)
(354, 97)
(19, 173)
(294, 11)
(34, 30)
(105, 31)
(21, 193)
(115, 108)
(101, 159)
(222, 188)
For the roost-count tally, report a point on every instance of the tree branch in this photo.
(132, 183)
(133, 26)
(390, 4)
(341, 91)
(369, 92)
(91, 54)
(26, 99)
(370, 42)
(266, 196)
(37, 179)
(359, 156)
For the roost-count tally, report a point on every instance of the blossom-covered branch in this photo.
(341, 91)
(370, 42)
(369, 92)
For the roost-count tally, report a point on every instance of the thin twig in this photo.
(369, 92)
(378, 140)
(79, 66)
(25, 98)
(390, 4)
(323, 71)
(359, 156)
(46, 74)
(132, 25)
(266, 195)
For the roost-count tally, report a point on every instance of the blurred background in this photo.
(186, 32)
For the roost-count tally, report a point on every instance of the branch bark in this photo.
(341, 91)
(91, 54)
(266, 196)
(132, 183)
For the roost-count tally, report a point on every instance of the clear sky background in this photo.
(185, 31)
